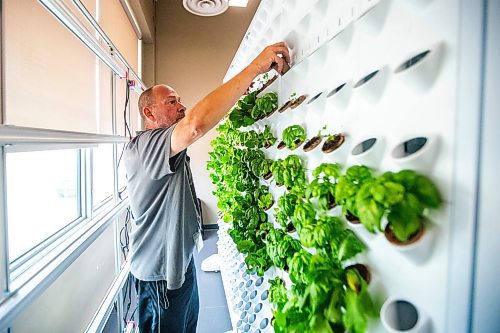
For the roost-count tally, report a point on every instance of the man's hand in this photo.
(273, 55)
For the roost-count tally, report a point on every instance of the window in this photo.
(43, 196)
(122, 174)
(102, 176)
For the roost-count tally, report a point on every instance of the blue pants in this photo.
(163, 310)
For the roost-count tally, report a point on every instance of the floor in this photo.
(214, 314)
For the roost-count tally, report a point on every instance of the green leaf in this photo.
(292, 134)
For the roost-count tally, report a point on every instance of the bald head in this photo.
(160, 106)
(145, 100)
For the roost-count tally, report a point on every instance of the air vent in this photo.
(206, 7)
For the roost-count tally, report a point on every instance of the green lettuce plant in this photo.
(293, 136)
(323, 185)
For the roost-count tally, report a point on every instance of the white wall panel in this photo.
(337, 42)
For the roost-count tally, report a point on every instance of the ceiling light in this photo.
(238, 3)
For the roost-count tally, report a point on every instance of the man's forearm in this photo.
(211, 109)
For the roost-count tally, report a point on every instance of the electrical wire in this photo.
(124, 245)
(126, 126)
(127, 97)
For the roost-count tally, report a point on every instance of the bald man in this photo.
(166, 216)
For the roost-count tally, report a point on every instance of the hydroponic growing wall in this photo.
(378, 81)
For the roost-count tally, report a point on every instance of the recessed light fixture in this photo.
(206, 7)
(238, 3)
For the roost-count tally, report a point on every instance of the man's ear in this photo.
(148, 114)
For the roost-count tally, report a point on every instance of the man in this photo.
(163, 200)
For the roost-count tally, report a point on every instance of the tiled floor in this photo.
(214, 315)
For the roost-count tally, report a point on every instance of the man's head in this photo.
(160, 106)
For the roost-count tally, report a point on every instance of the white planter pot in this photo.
(417, 153)
(371, 85)
(399, 315)
(420, 69)
(368, 151)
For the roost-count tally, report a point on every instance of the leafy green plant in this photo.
(281, 247)
(266, 167)
(286, 208)
(348, 186)
(403, 197)
(323, 185)
(359, 306)
(267, 137)
(299, 267)
(253, 159)
(304, 214)
(258, 261)
(290, 172)
(277, 292)
(293, 136)
(265, 105)
(240, 115)
(264, 198)
(264, 229)
(278, 173)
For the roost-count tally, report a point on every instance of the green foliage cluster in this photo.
(323, 185)
(402, 197)
(250, 108)
(293, 136)
(325, 295)
(319, 299)
(290, 172)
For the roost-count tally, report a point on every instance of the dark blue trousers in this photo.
(163, 310)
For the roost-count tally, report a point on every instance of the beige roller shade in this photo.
(120, 104)
(115, 23)
(49, 74)
(104, 98)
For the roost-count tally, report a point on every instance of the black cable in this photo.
(128, 286)
(133, 313)
(127, 97)
(124, 232)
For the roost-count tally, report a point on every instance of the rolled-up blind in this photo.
(115, 23)
(49, 73)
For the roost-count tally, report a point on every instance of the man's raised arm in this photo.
(212, 108)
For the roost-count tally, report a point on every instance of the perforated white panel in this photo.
(387, 70)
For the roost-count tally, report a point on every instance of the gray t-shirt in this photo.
(166, 216)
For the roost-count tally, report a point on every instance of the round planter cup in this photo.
(312, 144)
(399, 315)
(416, 153)
(340, 96)
(420, 70)
(372, 85)
(314, 98)
(259, 282)
(368, 152)
(420, 247)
